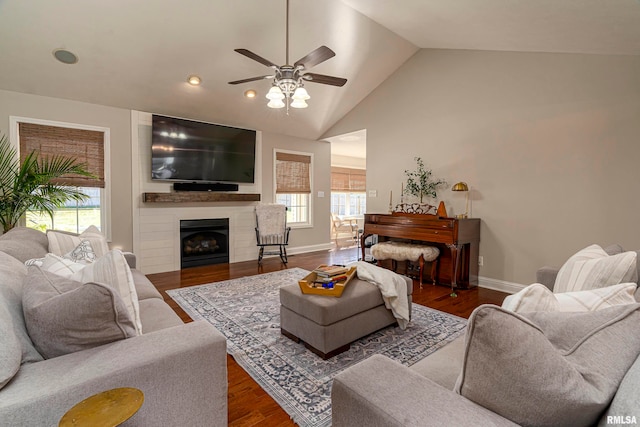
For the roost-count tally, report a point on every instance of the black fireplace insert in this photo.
(204, 242)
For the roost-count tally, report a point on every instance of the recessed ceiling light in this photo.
(65, 56)
(194, 80)
(250, 93)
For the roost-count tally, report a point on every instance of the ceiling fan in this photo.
(288, 80)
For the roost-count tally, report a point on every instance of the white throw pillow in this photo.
(538, 297)
(61, 243)
(83, 253)
(58, 265)
(593, 268)
(535, 297)
(113, 270)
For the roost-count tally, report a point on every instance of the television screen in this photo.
(184, 150)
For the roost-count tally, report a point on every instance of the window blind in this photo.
(348, 179)
(293, 173)
(85, 146)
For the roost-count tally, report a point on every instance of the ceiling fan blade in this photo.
(315, 57)
(255, 57)
(325, 80)
(250, 79)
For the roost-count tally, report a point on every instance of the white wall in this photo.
(549, 144)
(116, 119)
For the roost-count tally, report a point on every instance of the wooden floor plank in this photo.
(249, 404)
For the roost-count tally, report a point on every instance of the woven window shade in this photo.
(293, 173)
(347, 179)
(85, 146)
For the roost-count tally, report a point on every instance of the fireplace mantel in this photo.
(198, 196)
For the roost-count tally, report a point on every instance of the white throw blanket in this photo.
(392, 286)
(271, 219)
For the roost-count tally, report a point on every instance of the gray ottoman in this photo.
(328, 325)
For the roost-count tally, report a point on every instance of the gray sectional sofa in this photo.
(180, 368)
(382, 392)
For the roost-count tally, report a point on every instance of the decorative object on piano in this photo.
(442, 210)
(420, 183)
(462, 186)
(415, 208)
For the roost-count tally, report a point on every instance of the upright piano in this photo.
(457, 239)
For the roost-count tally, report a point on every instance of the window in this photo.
(293, 185)
(86, 145)
(348, 195)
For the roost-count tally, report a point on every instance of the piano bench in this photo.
(402, 251)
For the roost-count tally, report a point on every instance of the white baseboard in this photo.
(310, 248)
(499, 285)
(305, 249)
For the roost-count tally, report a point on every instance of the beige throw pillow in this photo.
(548, 368)
(112, 269)
(537, 297)
(61, 242)
(64, 316)
(593, 268)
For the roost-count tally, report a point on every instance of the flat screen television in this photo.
(189, 151)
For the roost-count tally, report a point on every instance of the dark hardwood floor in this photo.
(249, 404)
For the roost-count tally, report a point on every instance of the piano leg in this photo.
(455, 250)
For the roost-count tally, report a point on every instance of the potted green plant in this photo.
(420, 183)
(31, 185)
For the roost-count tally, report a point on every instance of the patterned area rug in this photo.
(247, 312)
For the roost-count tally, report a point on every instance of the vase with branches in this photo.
(31, 184)
(420, 182)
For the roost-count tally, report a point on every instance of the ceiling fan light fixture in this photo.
(288, 80)
(275, 93)
(275, 103)
(299, 103)
(301, 94)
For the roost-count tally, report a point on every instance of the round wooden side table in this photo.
(107, 409)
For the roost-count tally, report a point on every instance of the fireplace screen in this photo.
(204, 242)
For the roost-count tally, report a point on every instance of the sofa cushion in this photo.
(61, 242)
(64, 316)
(537, 297)
(592, 268)
(156, 315)
(144, 288)
(10, 350)
(626, 402)
(12, 276)
(24, 243)
(548, 368)
(113, 270)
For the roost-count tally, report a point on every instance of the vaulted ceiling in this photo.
(138, 54)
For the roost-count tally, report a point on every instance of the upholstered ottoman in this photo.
(328, 325)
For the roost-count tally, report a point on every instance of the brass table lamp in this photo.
(462, 186)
